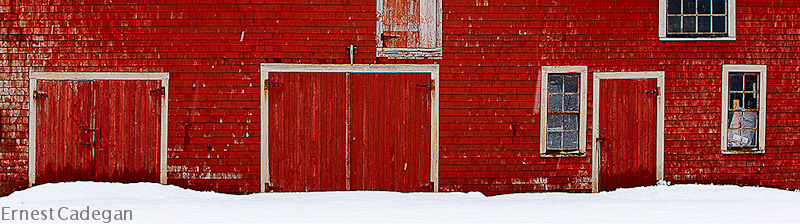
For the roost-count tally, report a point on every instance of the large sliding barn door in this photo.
(628, 126)
(357, 131)
(106, 130)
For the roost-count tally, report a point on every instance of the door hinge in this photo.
(159, 90)
(656, 92)
(427, 188)
(431, 85)
(37, 94)
(271, 84)
(272, 188)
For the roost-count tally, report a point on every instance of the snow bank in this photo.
(677, 203)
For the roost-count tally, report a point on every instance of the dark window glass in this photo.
(554, 103)
(570, 140)
(736, 100)
(689, 24)
(719, 24)
(563, 110)
(703, 24)
(689, 7)
(554, 122)
(571, 83)
(674, 24)
(750, 101)
(556, 84)
(571, 122)
(572, 102)
(720, 7)
(554, 140)
(673, 6)
(703, 6)
(750, 82)
(735, 82)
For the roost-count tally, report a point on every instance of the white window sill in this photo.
(408, 53)
(741, 152)
(697, 38)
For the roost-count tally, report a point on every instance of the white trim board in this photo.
(432, 69)
(762, 106)
(659, 76)
(545, 71)
(34, 76)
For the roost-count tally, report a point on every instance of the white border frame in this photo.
(35, 76)
(433, 69)
(659, 76)
(762, 107)
(545, 71)
(662, 25)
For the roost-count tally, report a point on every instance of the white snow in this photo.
(677, 203)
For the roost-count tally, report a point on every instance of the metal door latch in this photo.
(37, 94)
(159, 90)
(431, 85)
(603, 138)
(656, 92)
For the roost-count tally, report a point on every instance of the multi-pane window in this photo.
(743, 108)
(691, 19)
(563, 110)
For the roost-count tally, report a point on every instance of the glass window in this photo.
(743, 110)
(563, 110)
(697, 18)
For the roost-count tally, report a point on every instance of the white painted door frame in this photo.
(659, 76)
(89, 76)
(432, 69)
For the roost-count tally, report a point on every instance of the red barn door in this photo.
(390, 131)
(307, 131)
(97, 131)
(627, 128)
(337, 131)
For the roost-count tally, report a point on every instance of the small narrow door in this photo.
(401, 21)
(390, 131)
(64, 131)
(627, 141)
(307, 131)
(128, 130)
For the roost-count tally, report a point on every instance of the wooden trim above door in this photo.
(432, 69)
(659, 75)
(34, 76)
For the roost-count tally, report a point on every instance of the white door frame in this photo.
(659, 75)
(89, 76)
(433, 69)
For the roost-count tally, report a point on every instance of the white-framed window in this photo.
(744, 94)
(409, 29)
(691, 20)
(563, 111)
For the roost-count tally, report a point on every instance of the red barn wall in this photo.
(492, 55)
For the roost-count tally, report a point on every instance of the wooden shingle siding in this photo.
(492, 54)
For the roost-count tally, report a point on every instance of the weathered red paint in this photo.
(401, 21)
(390, 119)
(627, 141)
(307, 132)
(84, 131)
(490, 68)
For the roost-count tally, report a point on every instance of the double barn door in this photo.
(349, 131)
(97, 130)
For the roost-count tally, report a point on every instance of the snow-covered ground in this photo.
(156, 203)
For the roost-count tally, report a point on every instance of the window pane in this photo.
(571, 122)
(571, 83)
(749, 137)
(554, 140)
(748, 119)
(571, 140)
(556, 83)
(689, 24)
(736, 101)
(673, 6)
(703, 6)
(554, 122)
(751, 101)
(720, 6)
(571, 102)
(689, 7)
(735, 82)
(674, 24)
(719, 24)
(731, 123)
(554, 103)
(704, 24)
(750, 82)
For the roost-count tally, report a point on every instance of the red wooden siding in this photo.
(493, 51)
(307, 131)
(124, 108)
(64, 145)
(81, 136)
(390, 131)
(628, 121)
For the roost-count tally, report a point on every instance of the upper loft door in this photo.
(401, 21)
(409, 29)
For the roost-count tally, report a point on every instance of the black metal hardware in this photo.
(271, 84)
(656, 92)
(37, 94)
(603, 138)
(271, 188)
(431, 85)
(428, 187)
(159, 90)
